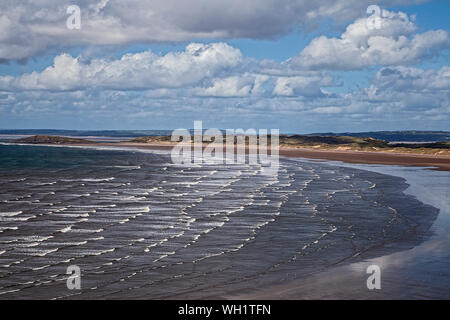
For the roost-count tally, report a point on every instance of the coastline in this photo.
(441, 163)
(342, 281)
(405, 273)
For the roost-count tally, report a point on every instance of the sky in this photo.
(296, 65)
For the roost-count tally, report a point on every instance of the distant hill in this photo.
(334, 142)
(51, 140)
(293, 140)
(390, 136)
(397, 136)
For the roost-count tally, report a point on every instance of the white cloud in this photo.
(361, 46)
(28, 28)
(397, 98)
(411, 91)
(133, 71)
(301, 85)
(413, 79)
(195, 81)
(327, 110)
(234, 86)
(208, 70)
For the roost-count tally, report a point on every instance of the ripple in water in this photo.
(139, 227)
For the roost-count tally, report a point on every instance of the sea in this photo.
(140, 227)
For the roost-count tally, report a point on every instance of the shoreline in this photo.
(441, 163)
(405, 273)
(341, 281)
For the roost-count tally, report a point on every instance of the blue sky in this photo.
(299, 66)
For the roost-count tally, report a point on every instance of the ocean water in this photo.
(422, 272)
(141, 227)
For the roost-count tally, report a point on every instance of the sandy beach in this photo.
(297, 256)
(362, 157)
(348, 281)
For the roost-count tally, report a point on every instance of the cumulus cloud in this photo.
(302, 85)
(216, 81)
(397, 98)
(362, 45)
(412, 92)
(413, 79)
(28, 28)
(234, 86)
(143, 70)
(204, 70)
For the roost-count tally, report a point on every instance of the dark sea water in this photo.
(140, 227)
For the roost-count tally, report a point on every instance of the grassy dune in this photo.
(338, 143)
(51, 140)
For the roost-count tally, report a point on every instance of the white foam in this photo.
(66, 229)
(10, 214)
(99, 180)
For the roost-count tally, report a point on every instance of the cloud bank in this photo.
(363, 46)
(29, 28)
(215, 81)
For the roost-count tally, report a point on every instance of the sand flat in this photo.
(364, 157)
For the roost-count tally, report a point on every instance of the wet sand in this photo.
(417, 160)
(417, 273)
